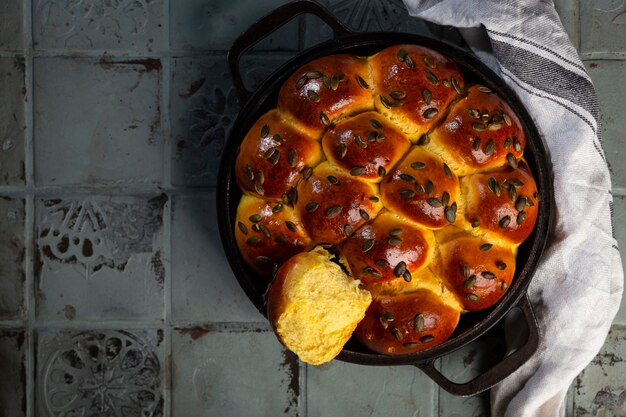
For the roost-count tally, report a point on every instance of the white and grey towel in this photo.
(581, 270)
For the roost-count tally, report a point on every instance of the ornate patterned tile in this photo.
(100, 258)
(214, 25)
(232, 374)
(600, 390)
(12, 251)
(203, 285)
(204, 105)
(11, 33)
(606, 75)
(12, 91)
(13, 371)
(98, 121)
(602, 26)
(100, 373)
(344, 390)
(364, 16)
(123, 24)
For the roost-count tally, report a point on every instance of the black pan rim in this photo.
(376, 41)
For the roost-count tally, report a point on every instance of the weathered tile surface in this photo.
(100, 372)
(214, 25)
(619, 222)
(124, 24)
(343, 389)
(12, 251)
(11, 29)
(98, 121)
(606, 75)
(203, 285)
(602, 24)
(12, 91)
(100, 258)
(232, 374)
(600, 390)
(13, 371)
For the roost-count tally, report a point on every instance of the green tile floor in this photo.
(113, 116)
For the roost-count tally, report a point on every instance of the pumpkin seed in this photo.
(292, 157)
(469, 282)
(332, 179)
(367, 245)
(490, 147)
(434, 202)
(472, 297)
(506, 119)
(395, 241)
(243, 228)
(484, 89)
(313, 96)
(396, 103)
(427, 339)
(492, 184)
(381, 263)
(334, 82)
(510, 158)
(260, 177)
(512, 194)
(445, 198)
(488, 275)
(285, 198)
(432, 78)
(402, 54)
(262, 260)
(397, 333)
(307, 172)
(265, 231)
(294, 196)
(368, 270)
(419, 188)
(376, 124)
(418, 165)
(301, 81)
(255, 218)
(455, 84)
(277, 208)
(326, 81)
(485, 247)
(253, 240)
(408, 61)
(429, 187)
(359, 142)
(291, 226)
(343, 150)
(407, 178)
(529, 202)
(333, 211)
(517, 145)
(385, 101)
(358, 170)
(423, 140)
(430, 62)
(311, 206)
(362, 83)
(485, 116)
(374, 199)
(397, 95)
(312, 75)
(269, 152)
(494, 126)
(508, 143)
(265, 130)
(407, 276)
(249, 172)
(364, 215)
(465, 270)
(505, 221)
(475, 223)
(478, 126)
(395, 232)
(446, 83)
(474, 113)
(521, 216)
(348, 230)
(516, 182)
(399, 270)
(382, 171)
(501, 265)
(281, 239)
(418, 323)
(447, 171)
(385, 318)
(407, 193)
(450, 213)
(504, 285)
(275, 157)
(537, 196)
(427, 95)
(476, 144)
(409, 345)
(324, 119)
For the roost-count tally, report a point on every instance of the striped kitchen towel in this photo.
(581, 270)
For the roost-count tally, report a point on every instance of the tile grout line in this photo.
(29, 218)
(166, 74)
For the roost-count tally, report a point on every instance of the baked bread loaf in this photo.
(314, 306)
(413, 179)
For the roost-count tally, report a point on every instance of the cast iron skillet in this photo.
(472, 325)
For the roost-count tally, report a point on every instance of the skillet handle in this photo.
(498, 372)
(269, 24)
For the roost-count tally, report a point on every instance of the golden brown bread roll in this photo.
(414, 86)
(423, 189)
(314, 306)
(478, 271)
(502, 205)
(332, 205)
(480, 133)
(388, 248)
(268, 233)
(366, 145)
(406, 323)
(274, 156)
(430, 229)
(325, 91)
